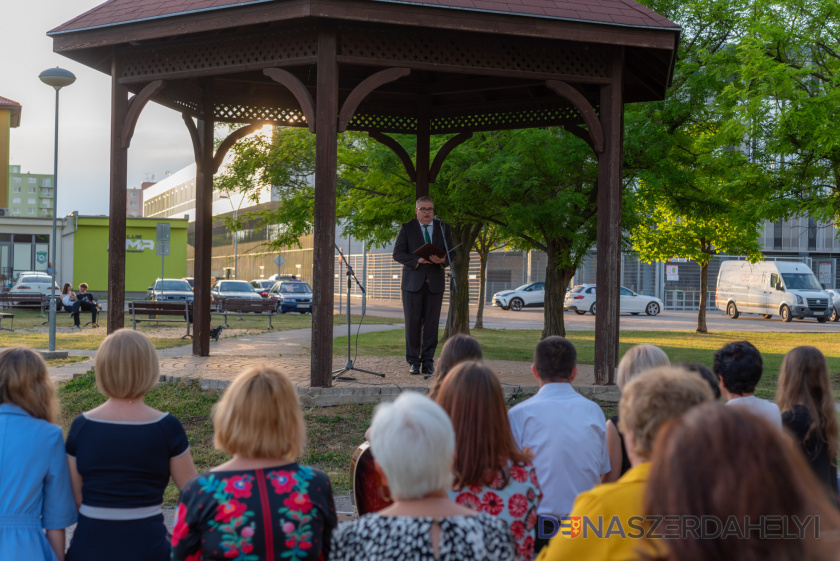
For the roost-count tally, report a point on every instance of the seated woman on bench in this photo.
(86, 302)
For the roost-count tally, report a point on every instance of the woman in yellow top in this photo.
(606, 522)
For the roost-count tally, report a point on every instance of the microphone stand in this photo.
(339, 374)
(453, 284)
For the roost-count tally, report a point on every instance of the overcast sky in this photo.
(160, 143)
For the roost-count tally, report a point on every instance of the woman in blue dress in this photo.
(121, 456)
(35, 492)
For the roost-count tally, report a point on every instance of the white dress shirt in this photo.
(567, 434)
(760, 407)
(431, 230)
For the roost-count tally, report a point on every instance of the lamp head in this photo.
(57, 77)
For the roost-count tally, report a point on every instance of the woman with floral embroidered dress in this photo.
(121, 457)
(261, 505)
(492, 474)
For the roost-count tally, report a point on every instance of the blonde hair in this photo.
(655, 397)
(638, 359)
(126, 365)
(25, 382)
(260, 416)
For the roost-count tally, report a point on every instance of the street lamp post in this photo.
(57, 78)
(235, 233)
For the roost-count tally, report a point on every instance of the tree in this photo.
(489, 239)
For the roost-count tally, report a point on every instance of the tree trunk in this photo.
(458, 319)
(482, 290)
(704, 284)
(556, 280)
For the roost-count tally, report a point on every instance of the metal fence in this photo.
(687, 300)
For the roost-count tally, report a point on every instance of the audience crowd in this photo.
(676, 475)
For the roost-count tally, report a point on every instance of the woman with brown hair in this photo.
(732, 468)
(492, 474)
(806, 400)
(457, 348)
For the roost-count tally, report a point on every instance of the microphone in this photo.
(438, 218)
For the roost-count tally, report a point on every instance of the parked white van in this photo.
(769, 288)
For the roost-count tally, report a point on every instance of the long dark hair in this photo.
(472, 397)
(66, 288)
(456, 349)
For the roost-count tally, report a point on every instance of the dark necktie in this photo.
(426, 233)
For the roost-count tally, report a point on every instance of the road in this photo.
(532, 318)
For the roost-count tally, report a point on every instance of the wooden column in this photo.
(116, 224)
(609, 225)
(421, 186)
(203, 227)
(326, 156)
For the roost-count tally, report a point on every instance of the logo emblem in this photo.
(570, 526)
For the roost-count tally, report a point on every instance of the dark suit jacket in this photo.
(415, 275)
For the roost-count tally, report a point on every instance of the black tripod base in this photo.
(339, 374)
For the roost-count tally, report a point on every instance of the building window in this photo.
(31, 201)
(31, 211)
(777, 234)
(46, 182)
(31, 180)
(16, 189)
(15, 210)
(32, 189)
(812, 234)
(45, 211)
(45, 193)
(16, 200)
(16, 180)
(45, 202)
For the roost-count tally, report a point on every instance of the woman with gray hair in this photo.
(414, 445)
(635, 361)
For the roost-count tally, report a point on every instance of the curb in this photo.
(326, 397)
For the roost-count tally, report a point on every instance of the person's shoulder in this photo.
(313, 474)
(523, 406)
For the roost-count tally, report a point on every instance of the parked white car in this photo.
(34, 283)
(581, 299)
(528, 295)
(234, 289)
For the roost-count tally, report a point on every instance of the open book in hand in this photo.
(427, 250)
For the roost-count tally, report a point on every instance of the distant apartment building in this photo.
(134, 202)
(30, 194)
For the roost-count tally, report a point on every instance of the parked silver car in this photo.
(168, 290)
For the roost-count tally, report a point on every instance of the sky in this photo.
(160, 143)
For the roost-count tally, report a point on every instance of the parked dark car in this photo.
(291, 296)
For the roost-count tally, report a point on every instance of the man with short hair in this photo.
(738, 366)
(86, 302)
(565, 431)
(422, 285)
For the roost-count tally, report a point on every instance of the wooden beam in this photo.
(136, 105)
(323, 254)
(444, 152)
(117, 221)
(364, 89)
(294, 85)
(608, 278)
(203, 224)
(586, 111)
(231, 139)
(397, 149)
(424, 138)
(194, 137)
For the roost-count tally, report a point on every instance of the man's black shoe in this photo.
(429, 369)
(415, 369)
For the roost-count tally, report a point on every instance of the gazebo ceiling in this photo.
(476, 64)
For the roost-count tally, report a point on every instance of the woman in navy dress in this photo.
(262, 505)
(121, 456)
(35, 492)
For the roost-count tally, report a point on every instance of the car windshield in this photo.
(524, 286)
(173, 285)
(236, 286)
(801, 281)
(295, 287)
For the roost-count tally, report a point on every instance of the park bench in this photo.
(14, 300)
(179, 311)
(245, 306)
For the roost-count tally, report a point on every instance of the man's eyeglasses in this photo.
(425, 209)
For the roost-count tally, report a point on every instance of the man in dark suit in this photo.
(423, 283)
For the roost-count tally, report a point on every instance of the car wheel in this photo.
(592, 308)
(732, 311)
(834, 315)
(516, 304)
(580, 312)
(278, 308)
(652, 309)
(766, 316)
(785, 313)
(822, 320)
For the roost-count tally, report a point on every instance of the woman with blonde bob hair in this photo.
(635, 361)
(806, 400)
(413, 443)
(122, 455)
(35, 491)
(261, 504)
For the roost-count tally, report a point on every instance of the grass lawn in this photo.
(681, 346)
(65, 361)
(90, 339)
(333, 433)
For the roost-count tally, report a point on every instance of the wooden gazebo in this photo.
(421, 67)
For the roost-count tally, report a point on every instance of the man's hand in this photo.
(437, 260)
(422, 261)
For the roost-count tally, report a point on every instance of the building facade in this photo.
(30, 194)
(134, 202)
